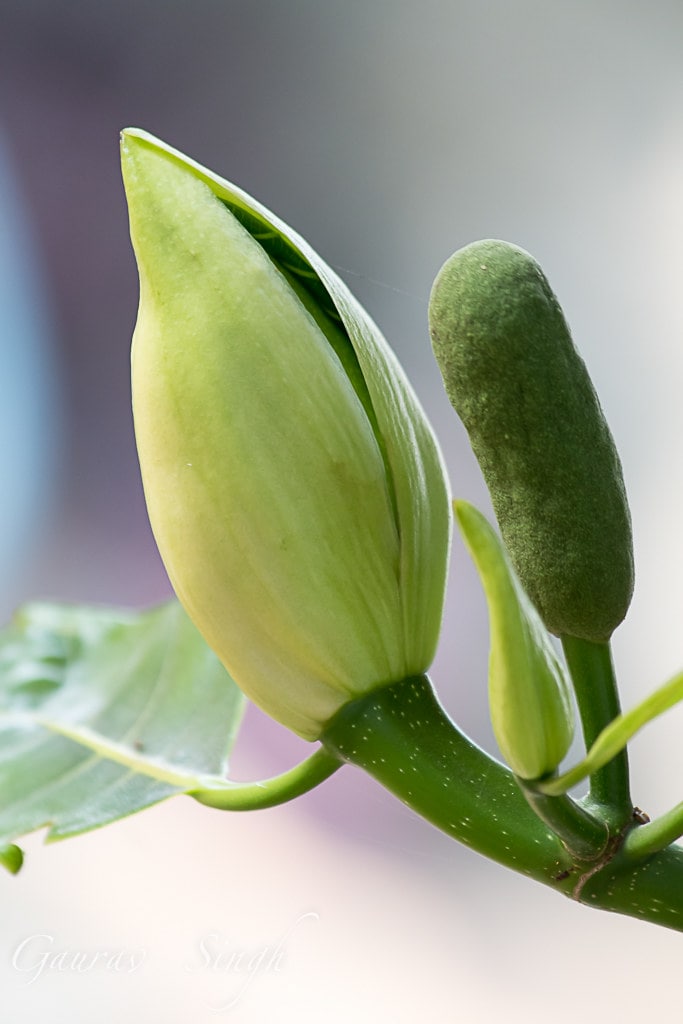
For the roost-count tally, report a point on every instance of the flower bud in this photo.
(528, 687)
(294, 487)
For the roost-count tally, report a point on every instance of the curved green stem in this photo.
(403, 738)
(585, 836)
(615, 736)
(253, 796)
(648, 839)
(211, 790)
(592, 671)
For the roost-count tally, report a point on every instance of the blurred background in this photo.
(388, 133)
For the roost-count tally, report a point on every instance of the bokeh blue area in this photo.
(388, 133)
(30, 392)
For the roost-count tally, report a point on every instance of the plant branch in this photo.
(211, 790)
(648, 839)
(585, 836)
(403, 738)
(614, 738)
(592, 671)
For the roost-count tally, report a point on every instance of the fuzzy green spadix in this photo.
(294, 487)
(514, 377)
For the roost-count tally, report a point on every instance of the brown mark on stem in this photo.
(638, 818)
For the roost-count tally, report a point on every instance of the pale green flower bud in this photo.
(529, 689)
(295, 489)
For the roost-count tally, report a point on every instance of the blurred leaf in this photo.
(104, 712)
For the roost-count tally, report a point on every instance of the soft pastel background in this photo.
(389, 133)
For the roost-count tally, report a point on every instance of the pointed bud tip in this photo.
(130, 137)
(461, 510)
(127, 135)
(134, 141)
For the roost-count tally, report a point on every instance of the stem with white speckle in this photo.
(403, 738)
(401, 735)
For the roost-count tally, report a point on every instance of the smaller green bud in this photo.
(295, 489)
(516, 380)
(529, 692)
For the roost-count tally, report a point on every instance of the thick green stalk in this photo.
(651, 890)
(592, 672)
(403, 738)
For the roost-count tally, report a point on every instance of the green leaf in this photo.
(103, 713)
